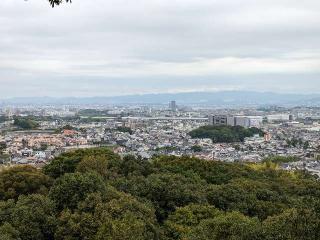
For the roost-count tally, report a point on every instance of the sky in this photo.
(120, 47)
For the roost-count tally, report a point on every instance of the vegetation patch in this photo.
(95, 194)
(225, 134)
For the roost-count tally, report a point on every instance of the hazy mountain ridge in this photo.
(204, 98)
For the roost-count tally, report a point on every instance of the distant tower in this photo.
(173, 106)
(9, 113)
(267, 137)
(291, 117)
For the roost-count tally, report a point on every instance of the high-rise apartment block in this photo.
(173, 106)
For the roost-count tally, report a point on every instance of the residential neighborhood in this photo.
(159, 130)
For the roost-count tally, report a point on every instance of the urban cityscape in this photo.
(147, 131)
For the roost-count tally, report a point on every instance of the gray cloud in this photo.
(111, 47)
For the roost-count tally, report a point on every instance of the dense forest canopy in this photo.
(224, 133)
(95, 194)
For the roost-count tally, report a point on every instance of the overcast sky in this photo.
(116, 47)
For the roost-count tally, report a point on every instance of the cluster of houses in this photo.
(149, 134)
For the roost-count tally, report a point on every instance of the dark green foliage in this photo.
(3, 119)
(225, 134)
(3, 146)
(196, 148)
(281, 159)
(78, 225)
(165, 191)
(105, 167)
(25, 123)
(125, 130)
(252, 198)
(66, 127)
(298, 142)
(32, 217)
(126, 228)
(293, 224)
(20, 180)
(184, 219)
(132, 165)
(68, 162)
(168, 191)
(112, 215)
(227, 226)
(211, 171)
(95, 113)
(98, 195)
(70, 189)
(7, 232)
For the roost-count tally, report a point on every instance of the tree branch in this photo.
(54, 3)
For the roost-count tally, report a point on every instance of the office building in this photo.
(244, 121)
(173, 106)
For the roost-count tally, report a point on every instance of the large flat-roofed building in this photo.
(244, 121)
(221, 120)
(278, 117)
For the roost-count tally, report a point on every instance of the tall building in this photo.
(291, 118)
(267, 137)
(173, 106)
(9, 113)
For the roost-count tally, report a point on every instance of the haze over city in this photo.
(119, 47)
(159, 120)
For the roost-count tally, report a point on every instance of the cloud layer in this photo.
(114, 47)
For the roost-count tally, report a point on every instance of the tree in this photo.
(132, 165)
(180, 223)
(98, 195)
(281, 159)
(3, 146)
(58, 2)
(126, 228)
(225, 133)
(72, 188)
(7, 232)
(78, 225)
(252, 198)
(32, 217)
(106, 166)
(196, 148)
(19, 180)
(302, 224)
(229, 226)
(103, 212)
(211, 171)
(121, 204)
(25, 123)
(168, 191)
(125, 130)
(68, 162)
(81, 223)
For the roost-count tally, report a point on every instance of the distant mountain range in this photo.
(223, 98)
